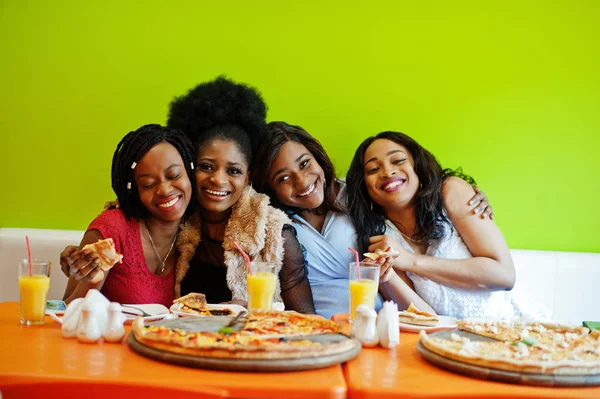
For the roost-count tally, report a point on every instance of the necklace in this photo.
(411, 239)
(162, 261)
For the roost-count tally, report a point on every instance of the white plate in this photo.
(235, 309)
(155, 310)
(445, 323)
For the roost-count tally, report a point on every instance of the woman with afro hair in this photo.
(225, 121)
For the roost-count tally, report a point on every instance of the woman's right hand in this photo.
(81, 264)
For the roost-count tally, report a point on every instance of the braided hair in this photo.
(131, 149)
(221, 109)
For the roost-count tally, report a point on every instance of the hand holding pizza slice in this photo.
(105, 252)
(381, 254)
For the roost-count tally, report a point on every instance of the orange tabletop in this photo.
(40, 353)
(402, 373)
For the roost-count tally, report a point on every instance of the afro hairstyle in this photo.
(221, 108)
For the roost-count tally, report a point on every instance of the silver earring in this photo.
(371, 206)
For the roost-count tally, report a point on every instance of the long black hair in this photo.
(368, 217)
(280, 133)
(221, 109)
(131, 149)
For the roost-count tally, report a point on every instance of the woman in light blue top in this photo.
(295, 171)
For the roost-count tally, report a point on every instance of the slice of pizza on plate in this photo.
(412, 315)
(194, 304)
(193, 300)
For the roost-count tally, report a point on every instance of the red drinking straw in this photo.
(357, 263)
(245, 257)
(29, 256)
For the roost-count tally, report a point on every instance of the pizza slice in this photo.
(285, 324)
(412, 315)
(106, 253)
(546, 333)
(193, 300)
(380, 253)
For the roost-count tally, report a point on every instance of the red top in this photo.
(131, 282)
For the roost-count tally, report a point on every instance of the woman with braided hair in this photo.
(153, 178)
(226, 122)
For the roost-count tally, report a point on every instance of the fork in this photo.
(143, 314)
(236, 318)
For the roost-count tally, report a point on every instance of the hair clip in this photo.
(192, 165)
(133, 165)
(128, 185)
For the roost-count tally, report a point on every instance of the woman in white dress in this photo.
(448, 260)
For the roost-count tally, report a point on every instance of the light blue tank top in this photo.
(327, 259)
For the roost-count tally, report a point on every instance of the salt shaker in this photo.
(366, 330)
(90, 329)
(114, 331)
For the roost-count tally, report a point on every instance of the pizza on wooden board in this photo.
(106, 253)
(265, 335)
(537, 348)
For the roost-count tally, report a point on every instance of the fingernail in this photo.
(471, 202)
(476, 211)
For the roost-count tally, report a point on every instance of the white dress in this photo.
(456, 302)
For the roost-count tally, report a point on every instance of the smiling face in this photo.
(221, 175)
(389, 174)
(163, 184)
(296, 177)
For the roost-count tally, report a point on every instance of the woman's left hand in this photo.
(482, 204)
(387, 269)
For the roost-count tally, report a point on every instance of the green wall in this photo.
(510, 90)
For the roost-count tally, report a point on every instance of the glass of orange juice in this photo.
(34, 283)
(363, 290)
(261, 285)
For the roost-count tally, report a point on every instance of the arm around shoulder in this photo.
(492, 262)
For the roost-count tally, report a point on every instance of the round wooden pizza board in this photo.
(512, 377)
(271, 365)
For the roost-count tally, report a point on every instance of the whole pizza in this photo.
(537, 348)
(265, 335)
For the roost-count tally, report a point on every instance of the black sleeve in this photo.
(295, 289)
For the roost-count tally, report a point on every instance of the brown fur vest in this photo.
(254, 225)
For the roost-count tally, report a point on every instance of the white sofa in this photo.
(563, 283)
